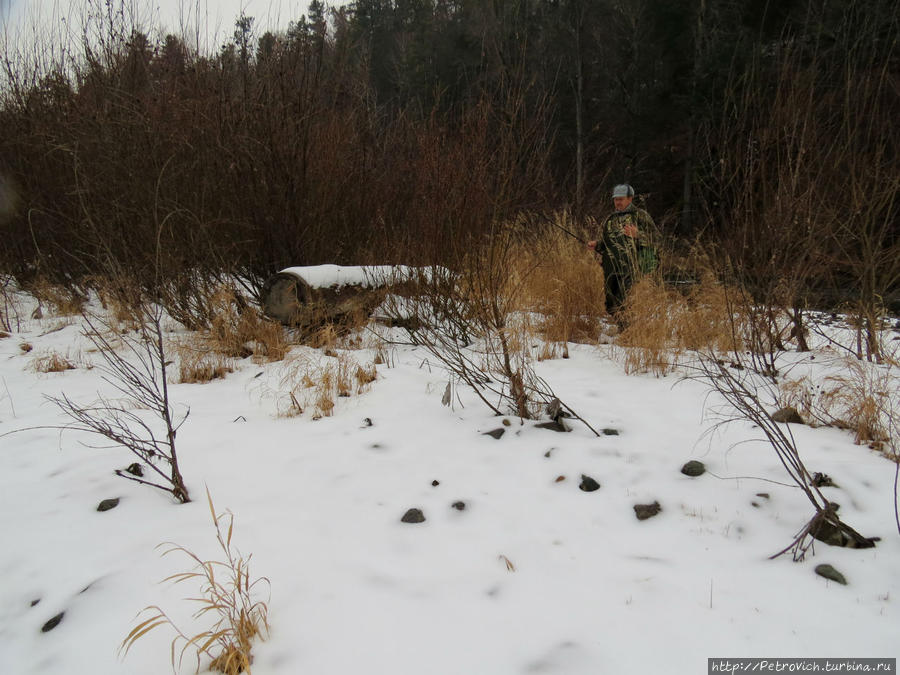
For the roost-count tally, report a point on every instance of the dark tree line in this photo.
(396, 130)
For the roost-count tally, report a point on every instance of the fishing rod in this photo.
(553, 222)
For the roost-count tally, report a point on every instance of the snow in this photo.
(368, 276)
(318, 505)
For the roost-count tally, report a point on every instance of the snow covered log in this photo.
(307, 296)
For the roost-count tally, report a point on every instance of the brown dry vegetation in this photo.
(315, 380)
(227, 598)
(197, 364)
(663, 324)
(862, 399)
(562, 282)
(52, 362)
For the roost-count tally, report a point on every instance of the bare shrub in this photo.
(470, 321)
(140, 376)
(742, 394)
(227, 595)
(10, 310)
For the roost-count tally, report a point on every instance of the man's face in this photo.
(622, 203)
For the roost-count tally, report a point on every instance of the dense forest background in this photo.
(405, 130)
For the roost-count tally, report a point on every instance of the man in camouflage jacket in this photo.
(625, 246)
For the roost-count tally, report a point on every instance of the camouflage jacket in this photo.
(628, 255)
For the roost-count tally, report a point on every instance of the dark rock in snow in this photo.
(559, 479)
(693, 468)
(413, 516)
(435, 483)
(610, 432)
(829, 572)
(644, 511)
(135, 469)
(588, 484)
(459, 506)
(52, 623)
(556, 425)
(555, 409)
(822, 480)
(35, 601)
(108, 504)
(788, 415)
(495, 433)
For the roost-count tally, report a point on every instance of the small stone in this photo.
(506, 422)
(787, 415)
(693, 468)
(108, 504)
(610, 432)
(548, 453)
(764, 495)
(35, 601)
(413, 516)
(559, 479)
(135, 469)
(644, 511)
(367, 421)
(556, 425)
(52, 623)
(554, 409)
(495, 433)
(588, 484)
(435, 483)
(829, 572)
(459, 506)
(822, 480)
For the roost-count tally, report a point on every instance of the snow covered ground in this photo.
(534, 575)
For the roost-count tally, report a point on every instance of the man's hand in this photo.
(630, 230)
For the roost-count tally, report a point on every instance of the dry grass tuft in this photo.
(51, 362)
(864, 398)
(663, 324)
(316, 381)
(652, 314)
(199, 365)
(239, 330)
(63, 301)
(562, 282)
(226, 595)
(123, 301)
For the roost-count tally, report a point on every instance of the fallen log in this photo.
(309, 296)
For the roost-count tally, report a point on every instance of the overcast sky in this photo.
(214, 17)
